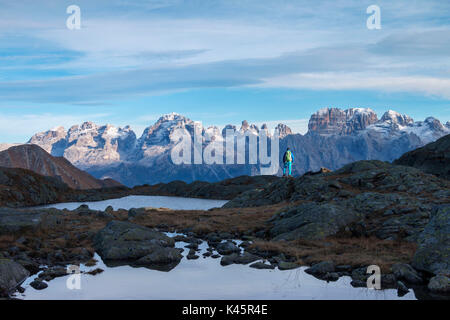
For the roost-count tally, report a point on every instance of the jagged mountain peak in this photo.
(173, 116)
(337, 121)
(396, 118)
(248, 127)
(283, 130)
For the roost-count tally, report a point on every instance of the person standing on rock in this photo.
(288, 158)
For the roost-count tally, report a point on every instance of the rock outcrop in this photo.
(311, 221)
(433, 253)
(363, 198)
(12, 275)
(20, 187)
(433, 158)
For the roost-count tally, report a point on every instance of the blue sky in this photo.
(218, 61)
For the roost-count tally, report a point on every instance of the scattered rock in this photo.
(52, 273)
(360, 274)
(261, 265)
(388, 281)
(402, 289)
(228, 259)
(283, 265)
(246, 258)
(321, 268)
(358, 284)
(227, 247)
(192, 256)
(95, 271)
(331, 276)
(38, 284)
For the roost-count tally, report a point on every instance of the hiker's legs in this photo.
(284, 168)
(290, 168)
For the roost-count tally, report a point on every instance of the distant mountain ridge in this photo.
(36, 159)
(335, 137)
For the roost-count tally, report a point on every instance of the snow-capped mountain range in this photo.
(335, 137)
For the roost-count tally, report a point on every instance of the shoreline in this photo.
(72, 241)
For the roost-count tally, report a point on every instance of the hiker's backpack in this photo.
(288, 157)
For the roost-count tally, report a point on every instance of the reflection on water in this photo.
(203, 278)
(175, 203)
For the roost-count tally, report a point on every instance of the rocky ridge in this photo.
(34, 158)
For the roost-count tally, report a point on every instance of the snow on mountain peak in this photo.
(396, 118)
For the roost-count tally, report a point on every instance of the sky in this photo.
(218, 61)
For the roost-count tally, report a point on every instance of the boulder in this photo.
(160, 256)
(405, 272)
(440, 284)
(227, 247)
(38, 284)
(402, 289)
(12, 275)
(228, 259)
(312, 221)
(321, 268)
(52, 273)
(120, 240)
(433, 252)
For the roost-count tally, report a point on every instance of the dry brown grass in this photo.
(237, 220)
(350, 251)
(6, 241)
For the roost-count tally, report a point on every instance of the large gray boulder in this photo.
(226, 248)
(311, 221)
(12, 275)
(433, 252)
(125, 241)
(162, 259)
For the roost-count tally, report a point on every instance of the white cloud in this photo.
(366, 81)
